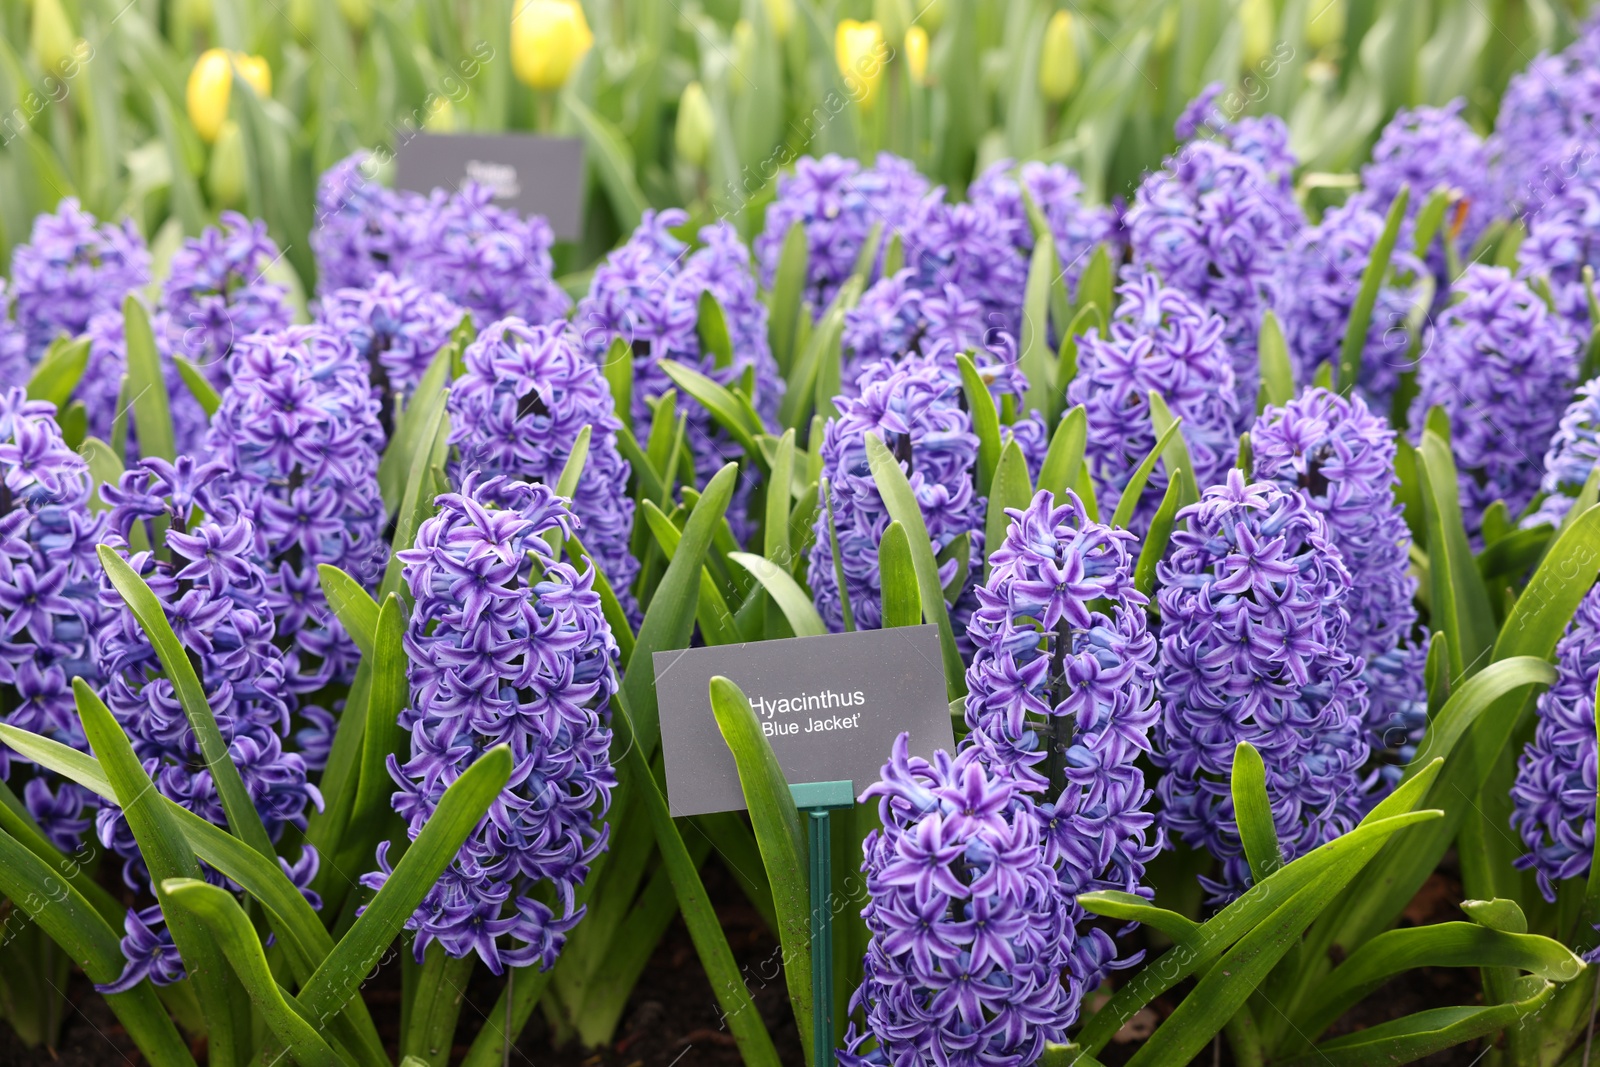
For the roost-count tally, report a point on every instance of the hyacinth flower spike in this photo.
(1254, 625)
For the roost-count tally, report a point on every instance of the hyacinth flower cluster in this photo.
(1075, 227)
(396, 327)
(361, 228)
(975, 247)
(1501, 365)
(525, 395)
(71, 269)
(1324, 280)
(1160, 340)
(217, 293)
(1564, 234)
(14, 363)
(1254, 632)
(1061, 699)
(1571, 458)
(298, 432)
(918, 411)
(1218, 221)
(967, 922)
(214, 592)
(837, 202)
(1553, 798)
(1340, 456)
(1547, 121)
(1429, 148)
(50, 611)
(507, 645)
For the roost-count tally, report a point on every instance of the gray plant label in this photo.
(528, 174)
(831, 707)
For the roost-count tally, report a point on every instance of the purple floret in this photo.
(1075, 227)
(1501, 365)
(507, 645)
(1548, 120)
(1571, 457)
(71, 269)
(1159, 340)
(1564, 236)
(1254, 630)
(362, 228)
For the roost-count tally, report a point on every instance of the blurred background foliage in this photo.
(701, 102)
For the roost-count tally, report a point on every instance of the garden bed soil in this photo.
(672, 1019)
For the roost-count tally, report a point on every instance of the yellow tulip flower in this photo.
(211, 85)
(1059, 66)
(917, 54)
(860, 50)
(548, 39)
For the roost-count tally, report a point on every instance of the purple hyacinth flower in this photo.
(397, 327)
(298, 431)
(1553, 796)
(1501, 365)
(969, 932)
(1159, 340)
(975, 247)
(1340, 456)
(1060, 698)
(149, 949)
(14, 363)
(1428, 148)
(1254, 633)
(1571, 458)
(507, 645)
(1324, 279)
(1218, 222)
(916, 407)
(1076, 228)
(71, 269)
(486, 258)
(50, 615)
(1564, 234)
(837, 202)
(1547, 121)
(362, 228)
(526, 394)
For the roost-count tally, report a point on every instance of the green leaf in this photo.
(1154, 547)
(106, 469)
(152, 413)
(243, 819)
(788, 294)
(985, 423)
(897, 573)
(461, 807)
(199, 387)
(1424, 1033)
(1087, 318)
(618, 368)
(1429, 216)
(712, 328)
(1011, 489)
(1459, 601)
(1252, 809)
(220, 913)
(616, 616)
(780, 495)
(705, 929)
(59, 371)
(1035, 356)
(785, 591)
(669, 620)
(416, 502)
(356, 611)
(1355, 331)
(777, 826)
(1277, 370)
(1471, 699)
(388, 696)
(419, 413)
(166, 855)
(1127, 907)
(903, 508)
(1141, 476)
(567, 484)
(1065, 455)
(711, 611)
(723, 406)
(799, 398)
(839, 582)
(1094, 283)
(1175, 456)
(85, 935)
(613, 161)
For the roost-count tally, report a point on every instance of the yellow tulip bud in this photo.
(917, 54)
(745, 56)
(548, 38)
(930, 15)
(303, 17)
(781, 14)
(211, 85)
(51, 37)
(441, 116)
(357, 13)
(1059, 65)
(860, 50)
(1324, 23)
(225, 174)
(1166, 29)
(697, 125)
(1256, 19)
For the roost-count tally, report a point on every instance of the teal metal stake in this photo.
(817, 800)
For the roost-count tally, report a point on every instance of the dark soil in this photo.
(672, 1018)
